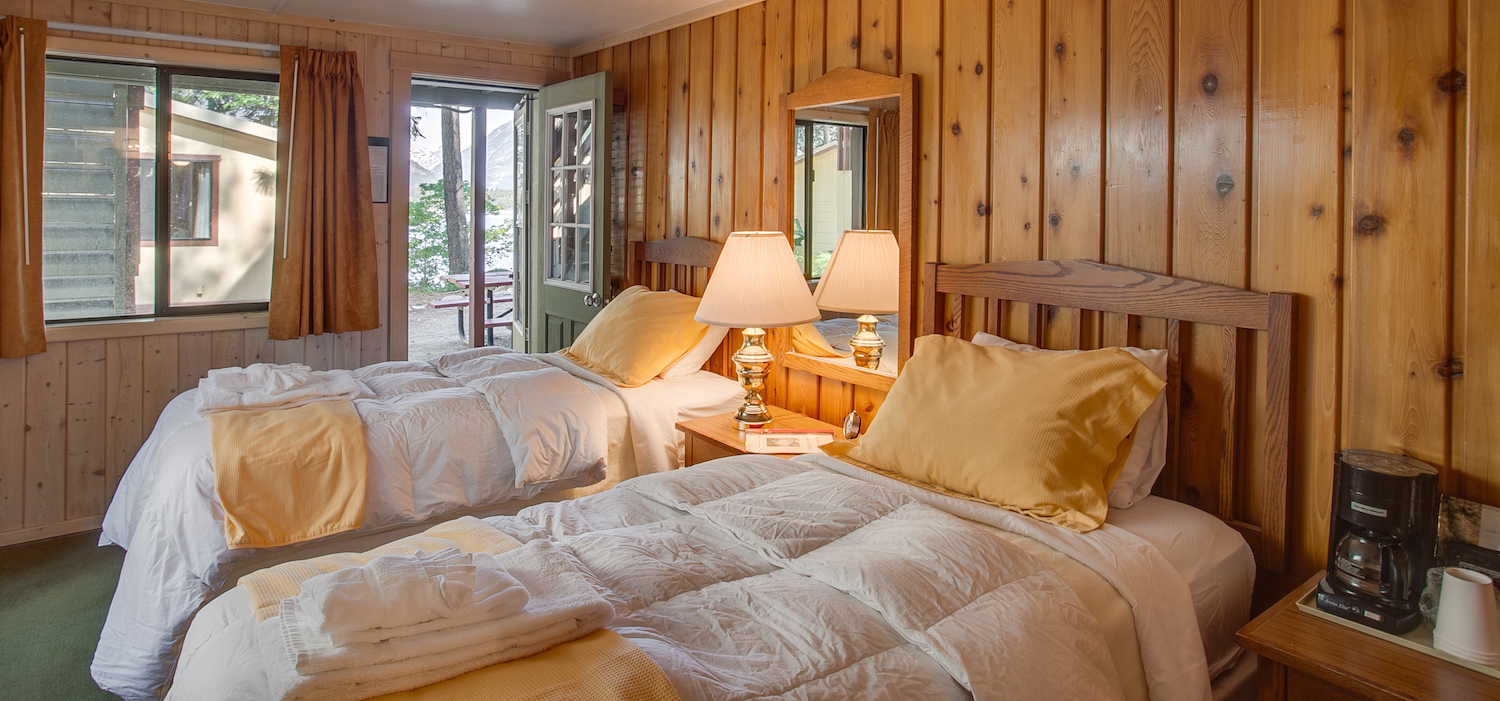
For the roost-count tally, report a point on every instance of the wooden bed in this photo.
(1090, 286)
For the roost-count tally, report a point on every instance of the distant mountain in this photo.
(427, 164)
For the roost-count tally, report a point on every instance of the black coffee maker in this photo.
(1382, 539)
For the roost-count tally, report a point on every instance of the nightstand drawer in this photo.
(699, 450)
(1305, 687)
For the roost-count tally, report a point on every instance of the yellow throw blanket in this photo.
(269, 586)
(599, 667)
(289, 475)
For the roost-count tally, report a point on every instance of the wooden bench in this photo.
(462, 303)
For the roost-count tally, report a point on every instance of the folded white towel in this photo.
(263, 386)
(563, 607)
(389, 591)
(496, 595)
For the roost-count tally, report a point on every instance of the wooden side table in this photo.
(717, 437)
(1306, 658)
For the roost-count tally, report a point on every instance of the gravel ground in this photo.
(433, 332)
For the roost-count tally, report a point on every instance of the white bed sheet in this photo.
(1214, 560)
(172, 570)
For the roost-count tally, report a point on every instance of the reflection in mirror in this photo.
(848, 183)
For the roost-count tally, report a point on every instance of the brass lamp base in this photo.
(867, 345)
(751, 362)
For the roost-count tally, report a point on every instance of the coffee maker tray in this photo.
(1419, 639)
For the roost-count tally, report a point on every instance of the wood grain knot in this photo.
(1190, 494)
(978, 68)
(1023, 180)
(1059, 48)
(1210, 84)
(982, 210)
(854, 43)
(1370, 224)
(1026, 226)
(684, 88)
(1406, 136)
(889, 55)
(1449, 369)
(1453, 82)
(1316, 211)
(716, 220)
(1055, 220)
(956, 129)
(1224, 184)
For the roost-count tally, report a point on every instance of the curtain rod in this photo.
(266, 49)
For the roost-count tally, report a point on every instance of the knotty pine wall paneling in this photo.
(72, 418)
(1322, 147)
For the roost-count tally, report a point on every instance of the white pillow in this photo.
(693, 360)
(1149, 454)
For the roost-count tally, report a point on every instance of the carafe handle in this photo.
(1396, 566)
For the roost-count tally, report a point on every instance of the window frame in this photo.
(162, 242)
(213, 213)
(859, 163)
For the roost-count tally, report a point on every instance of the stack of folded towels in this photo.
(404, 621)
(266, 386)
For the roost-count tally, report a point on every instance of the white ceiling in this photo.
(562, 24)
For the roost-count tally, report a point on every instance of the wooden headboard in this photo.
(667, 264)
(1086, 285)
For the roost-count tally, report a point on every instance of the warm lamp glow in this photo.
(861, 277)
(756, 284)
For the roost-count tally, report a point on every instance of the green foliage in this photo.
(427, 238)
(261, 109)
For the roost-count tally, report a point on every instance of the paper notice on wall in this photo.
(379, 175)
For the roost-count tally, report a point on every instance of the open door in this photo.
(568, 230)
(521, 215)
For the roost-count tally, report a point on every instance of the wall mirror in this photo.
(852, 137)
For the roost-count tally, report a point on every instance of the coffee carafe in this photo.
(1382, 538)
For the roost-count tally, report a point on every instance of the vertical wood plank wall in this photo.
(1334, 149)
(72, 418)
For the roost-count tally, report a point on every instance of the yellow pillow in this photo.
(808, 340)
(1035, 433)
(637, 335)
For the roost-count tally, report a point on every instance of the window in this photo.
(117, 240)
(572, 148)
(829, 182)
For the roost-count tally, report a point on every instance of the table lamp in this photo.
(861, 278)
(756, 285)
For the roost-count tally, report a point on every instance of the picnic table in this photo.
(494, 281)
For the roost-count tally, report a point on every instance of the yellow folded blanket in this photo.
(289, 475)
(269, 586)
(598, 667)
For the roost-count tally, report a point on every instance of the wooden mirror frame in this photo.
(842, 86)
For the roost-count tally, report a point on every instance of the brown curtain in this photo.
(324, 271)
(23, 43)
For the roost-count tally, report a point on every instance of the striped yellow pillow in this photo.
(637, 335)
(1030, 432)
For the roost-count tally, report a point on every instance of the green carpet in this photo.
(53, 598)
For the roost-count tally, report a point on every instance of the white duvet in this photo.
(441, 439)
(754, 577)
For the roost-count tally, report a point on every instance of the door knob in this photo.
(591, 299)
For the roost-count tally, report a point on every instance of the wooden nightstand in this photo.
(1305, 658)
(716, 436)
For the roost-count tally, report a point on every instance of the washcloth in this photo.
(496, 595)
(264, 386)
(563, 606)
(390, 591)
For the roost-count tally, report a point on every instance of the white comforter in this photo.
(437, 445)
(753, 577)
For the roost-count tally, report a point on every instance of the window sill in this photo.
(129, 328)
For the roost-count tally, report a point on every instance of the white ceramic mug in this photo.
(1468, 623)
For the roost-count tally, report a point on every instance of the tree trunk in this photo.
(455, 213)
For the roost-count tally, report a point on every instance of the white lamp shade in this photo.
(757, 283)
(861, 277)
